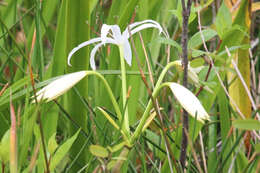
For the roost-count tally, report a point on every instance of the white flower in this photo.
(117, 38)
(189, 102)
(59, 86)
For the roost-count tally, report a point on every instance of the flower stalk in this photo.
(124, 89)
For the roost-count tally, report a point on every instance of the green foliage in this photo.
(98, 151)
(247, 124)
(223, 20)
(5, 147)
(62, 151)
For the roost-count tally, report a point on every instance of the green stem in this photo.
(112, 97)
(149, 106)
(124, 88)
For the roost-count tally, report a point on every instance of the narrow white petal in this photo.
(189, 102)
(59, 86)
(94, 50)
(116, 33)
(127, 52)
(94, 40)
(104, 32)
(132, 28)
(92, 56)
(144, 26)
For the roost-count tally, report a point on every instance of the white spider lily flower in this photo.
(59, 86)
(112, 34)
(189, 102)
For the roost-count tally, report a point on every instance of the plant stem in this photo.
(184, 41)
(124, 89)
(149, 106)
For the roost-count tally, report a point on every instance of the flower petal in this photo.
(94, 40)
(189, 102)
(116, 33)
(92, 56)
(131, 26)
(148, 23)
(144, 26)
(104, 32)
(94, 50)
(127, 52)
(59, 86)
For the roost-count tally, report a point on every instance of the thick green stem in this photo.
(149, 106)
(124, 88)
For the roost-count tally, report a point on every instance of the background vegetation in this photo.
(35, 39)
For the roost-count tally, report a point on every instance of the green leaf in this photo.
(98, 151)
(198, 62)
(196, 53)
(52, 144)
(62, 151)
(5, 147)
(257, 148)
(111, 164)
(117, 147)
(170, 42)
(247, 124)
(223, 20)
(14, 88)
(196, 39)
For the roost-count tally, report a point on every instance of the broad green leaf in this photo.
(52, 144)
(29, 116)
(111, 164)
(257, 148)
(247, 124)
(233, 49)
(197, 53)
(198, 62)
(241, 57)
(223, 20)
(15, 87)
(241, 160)
(5, 147)
(62, 151)
(196, 39)
(77, 31)
(117, 147)
(170, 42)
(98, 151)
(127, 13)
